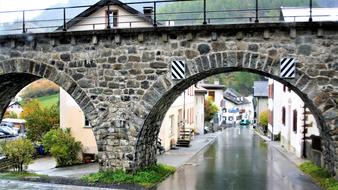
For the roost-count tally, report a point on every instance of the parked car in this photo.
(8, 130)
(244, 122)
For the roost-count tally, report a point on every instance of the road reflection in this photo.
(238, 160)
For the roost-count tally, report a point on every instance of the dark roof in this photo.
(92, 9)
(212, 86)
(14, 103)
(235, 97)
(261, 89)
(199, 89)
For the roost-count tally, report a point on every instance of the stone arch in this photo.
(18, 73)
(318, 97)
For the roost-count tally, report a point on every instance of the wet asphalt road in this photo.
(239, 160)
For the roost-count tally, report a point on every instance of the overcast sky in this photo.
(6, 5)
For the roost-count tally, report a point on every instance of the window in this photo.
(172, 125)
(112, 18)
(294, 121)
(316, 142)
(283, 115)
(211, 95)
(87, 124)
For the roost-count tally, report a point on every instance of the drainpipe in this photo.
(304, 133)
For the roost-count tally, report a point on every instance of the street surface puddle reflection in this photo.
(238, 160)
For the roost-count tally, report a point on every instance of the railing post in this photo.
(256, 20)
(23, 22)
(310, 19)
(155, 19)
(204, 12)
(108, 18)
(64, 20)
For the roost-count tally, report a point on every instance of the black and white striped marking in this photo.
(177, 70)
(288, 68)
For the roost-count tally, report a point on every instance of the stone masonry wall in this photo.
(121, 78)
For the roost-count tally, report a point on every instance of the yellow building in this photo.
(71, 116)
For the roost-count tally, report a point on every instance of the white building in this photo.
(294, 14)
(15, 107)
(286, 118)
(188, 107)
(215, 93)
(236, 107)
(110, 14)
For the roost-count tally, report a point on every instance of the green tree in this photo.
(210, 109)
(39, 120)
(62, 146)
(20, 152)
(242, 82)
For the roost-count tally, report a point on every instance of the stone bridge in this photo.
(121, 78)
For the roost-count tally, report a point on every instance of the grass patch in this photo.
(147, 177)
(48, 101)
(20, 175)
(320, 175)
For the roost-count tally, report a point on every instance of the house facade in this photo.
(260, 100)
(110, 14)
(236, 107)
(80, 128)
(15, 107)
(215, 93)
(187, 108)
(289, 119)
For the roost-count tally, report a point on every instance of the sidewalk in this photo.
(176, 158)
(179, 157)
(274, 144)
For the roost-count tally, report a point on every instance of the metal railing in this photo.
(64, 20)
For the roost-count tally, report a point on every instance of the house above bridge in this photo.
(107, 14)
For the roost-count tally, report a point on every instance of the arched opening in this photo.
(148, 135)
(75, 112)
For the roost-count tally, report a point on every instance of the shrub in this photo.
(62, 146)
(263, 118)
(20, 152)
(147, 177)
(210, 109)
(39, 120)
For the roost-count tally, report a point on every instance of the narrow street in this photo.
(239, 160)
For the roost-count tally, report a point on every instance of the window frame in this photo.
(295, 121)
(283, 115)
(114, 20)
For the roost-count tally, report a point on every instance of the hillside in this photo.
(39, 88)
(242, 82)
(46, 101)
(223, 17)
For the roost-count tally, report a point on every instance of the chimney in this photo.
(148, 12)
(216, 82)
